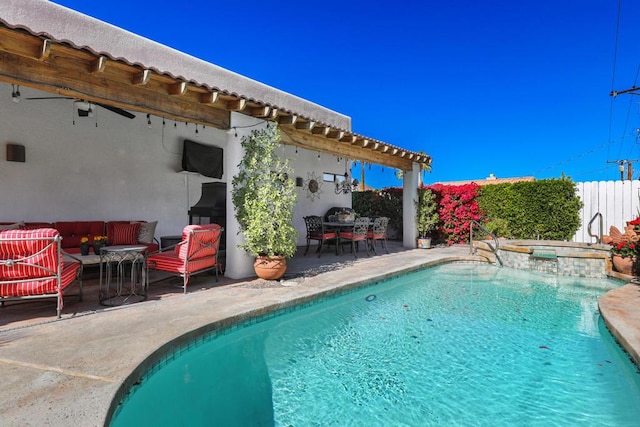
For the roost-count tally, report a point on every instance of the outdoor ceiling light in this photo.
(345, 185)
(84, 108)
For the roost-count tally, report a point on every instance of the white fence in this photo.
(617, 201)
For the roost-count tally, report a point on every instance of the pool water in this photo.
(458, 344)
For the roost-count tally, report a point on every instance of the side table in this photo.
(123, 259)
(166, 241)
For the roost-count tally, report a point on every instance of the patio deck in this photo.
(67, 372)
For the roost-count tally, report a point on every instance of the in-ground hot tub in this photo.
(557, 257)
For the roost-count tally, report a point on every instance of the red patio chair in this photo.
(356, 234)
(196, 253)
(32, 266)
(378, 232)
(316, 231)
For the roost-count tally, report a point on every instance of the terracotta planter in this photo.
(270, 268)
(624, 265)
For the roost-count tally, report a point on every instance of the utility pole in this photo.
(631, 90)
(621, 167)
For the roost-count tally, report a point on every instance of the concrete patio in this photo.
(71, 371)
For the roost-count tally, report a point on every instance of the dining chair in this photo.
(316, 231)
(355, 235)
(378, 232)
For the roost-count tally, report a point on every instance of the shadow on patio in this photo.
(19, 314)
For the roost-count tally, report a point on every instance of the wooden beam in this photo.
(96, 88)
(335, 134)
(141, 78)
(209, 97)
(237, 105)
(287, 119)
(45, 50)
(178, 89)
(320, 130)
(98, 64)
(263, 111)
(273, 114)
(305, 125)
(309, 141)
(349, 139)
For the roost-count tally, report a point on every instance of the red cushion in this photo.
(30, 258)
(36, 225)
(200, 245)
(73, 231)
(370, 235)
(323, 236)
(125, 234)
(349, 235)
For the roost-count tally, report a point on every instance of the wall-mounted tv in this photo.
(201, 158)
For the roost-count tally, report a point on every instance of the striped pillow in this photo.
(125, 234)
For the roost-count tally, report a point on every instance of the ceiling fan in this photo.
(85, 108)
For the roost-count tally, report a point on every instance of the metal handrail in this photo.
(493, 236)
(599, 235)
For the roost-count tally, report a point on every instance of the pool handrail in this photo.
(493, 236)
(599, 235)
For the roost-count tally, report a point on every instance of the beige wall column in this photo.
(238, 264)
(409, 198)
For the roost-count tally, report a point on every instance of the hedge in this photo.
(546, 209)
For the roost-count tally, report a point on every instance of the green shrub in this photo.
(498, 227)
(547, 209)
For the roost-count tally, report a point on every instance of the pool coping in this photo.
(75, 371)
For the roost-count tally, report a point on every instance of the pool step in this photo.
(544, 254)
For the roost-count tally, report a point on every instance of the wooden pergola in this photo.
(59, 67)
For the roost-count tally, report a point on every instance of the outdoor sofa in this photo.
(117, 232)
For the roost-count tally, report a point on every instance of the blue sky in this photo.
(509, 88)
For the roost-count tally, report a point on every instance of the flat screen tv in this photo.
(203, 159)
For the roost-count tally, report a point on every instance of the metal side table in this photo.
(123, 274)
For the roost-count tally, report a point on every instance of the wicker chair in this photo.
(316, 231)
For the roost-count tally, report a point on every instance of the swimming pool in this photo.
(457, 344)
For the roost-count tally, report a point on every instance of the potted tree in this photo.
(264, 197)
(426, 217)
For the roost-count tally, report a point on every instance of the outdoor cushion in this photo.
(147, 232)
(30, 266)
(73, 231)
(351, 236)
(125, 234)
(324, 236)
(36, 225)
(14, 226)
(38, 258)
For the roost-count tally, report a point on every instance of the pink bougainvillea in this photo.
(457, 206)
